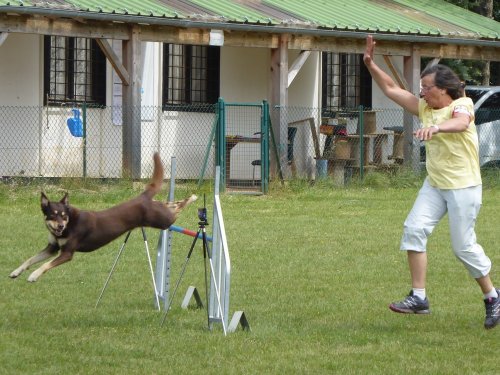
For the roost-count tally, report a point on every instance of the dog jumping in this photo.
(72, 229)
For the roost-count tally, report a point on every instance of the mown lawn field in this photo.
(313, 268)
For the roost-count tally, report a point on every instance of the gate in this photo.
(242, 146)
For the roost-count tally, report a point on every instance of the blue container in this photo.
(321, 168)
(75, 124)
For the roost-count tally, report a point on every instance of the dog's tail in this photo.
(157, 179)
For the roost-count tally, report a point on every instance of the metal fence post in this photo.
(220, 145)
(361, 121)
(84, 151)
(265, 146)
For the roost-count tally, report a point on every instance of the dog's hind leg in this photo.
(46, 253)
(64, 256)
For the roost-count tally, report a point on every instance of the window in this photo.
(74, 72)
(475, 95)
(346, 82)
(489, 110)
(190, 75)
(493, 102)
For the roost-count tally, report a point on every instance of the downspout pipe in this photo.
(185, 23)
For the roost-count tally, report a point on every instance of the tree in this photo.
(479, 72)
(485, 8)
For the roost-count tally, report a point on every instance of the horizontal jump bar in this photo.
(188, 232)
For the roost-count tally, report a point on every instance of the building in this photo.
(150, 64)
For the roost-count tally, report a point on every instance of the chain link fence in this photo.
(87, 142)
(346, 142)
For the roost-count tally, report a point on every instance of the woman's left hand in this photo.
(425, 134)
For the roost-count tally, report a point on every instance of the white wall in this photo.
(21, 75)
(388, 113)
(379, 100)
(20, 85)
(244, 74)
(305, 88)
(245, 78)
(304, 101)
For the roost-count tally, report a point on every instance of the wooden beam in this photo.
(236, 38)
(453, 51)
(166, 34)
(279, 100)
(64, 27)
(411, 149)
(247, 39)
(114, 60)
(346, 45)
(131, 129)
(396, 73)
(3, 37)
(297, 65)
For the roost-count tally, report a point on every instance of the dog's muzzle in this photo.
(55, 228)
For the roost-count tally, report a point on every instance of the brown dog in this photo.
(71, 229)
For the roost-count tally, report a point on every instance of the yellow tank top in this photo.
(452, 159)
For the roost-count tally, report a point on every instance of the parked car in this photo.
(487, 110)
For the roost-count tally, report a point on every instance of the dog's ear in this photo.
(44, 200)
(64, 199)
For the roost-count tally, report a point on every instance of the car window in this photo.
(489, 110)
(493, 102)
(475, 95)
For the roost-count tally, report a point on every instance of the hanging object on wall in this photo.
(75, 124)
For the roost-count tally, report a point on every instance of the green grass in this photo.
(313, 267)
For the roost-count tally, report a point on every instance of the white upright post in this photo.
(164, 248)
(221, 262)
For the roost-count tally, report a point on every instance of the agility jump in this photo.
(218, 304)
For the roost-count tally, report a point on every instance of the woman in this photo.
(453, 184)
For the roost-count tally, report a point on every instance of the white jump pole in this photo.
(164, 249)
(220, 283)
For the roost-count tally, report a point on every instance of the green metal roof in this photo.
(234, 11)
(125, 7)
(408, 17)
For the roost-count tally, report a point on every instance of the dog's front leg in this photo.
(64, 256)
(46, 253)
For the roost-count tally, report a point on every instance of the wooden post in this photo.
(411, 147)
(279, 100)
(131, 131)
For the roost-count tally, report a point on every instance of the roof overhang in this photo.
(68, 22)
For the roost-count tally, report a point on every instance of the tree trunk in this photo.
(485, 8)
